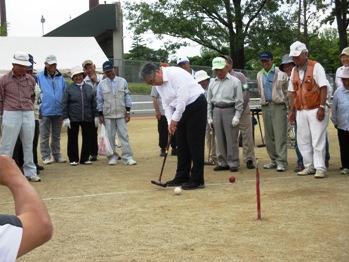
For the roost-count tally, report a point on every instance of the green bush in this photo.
(139, 88)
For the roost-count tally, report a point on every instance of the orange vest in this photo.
(306, 92)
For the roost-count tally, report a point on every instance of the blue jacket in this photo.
(51, 93)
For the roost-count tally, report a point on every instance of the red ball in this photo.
(232, 179)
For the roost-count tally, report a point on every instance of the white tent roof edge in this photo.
(70, 51)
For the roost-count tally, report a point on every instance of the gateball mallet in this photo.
(159, 183)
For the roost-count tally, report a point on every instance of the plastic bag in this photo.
(104, 147)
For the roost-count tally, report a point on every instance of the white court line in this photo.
(143, 191)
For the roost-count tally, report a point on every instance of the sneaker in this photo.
(60, 160)
(250, 165)
(280, 168)
(234, 169)
(93, 158)
(306, 172)
(47, 161)
(220, 168)
(112, 161)
(162, 152)
(73, 163)
(131, 162)
(270, 165)
(345, 171)
(320, 174)
(192, 185)
(34, 178)
(88, 162)
(175, 182)
(209, 162)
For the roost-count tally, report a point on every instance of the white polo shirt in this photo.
(178, 90)
(10, 237)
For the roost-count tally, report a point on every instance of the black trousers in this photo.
(163, 134)
(18, 150)
(191, 142)
(87, 129)
(94, 142)
(343, 137)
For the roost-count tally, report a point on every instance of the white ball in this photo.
(177, 190)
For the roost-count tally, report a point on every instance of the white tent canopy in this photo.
(70, 51)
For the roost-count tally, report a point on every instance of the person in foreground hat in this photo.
(185, 109)
(18, 150)
(340, 117)
(344, 57)
(31, 226)
(308, 86)
(272, 87)
(52, 85)
(224, 108)
(93, 79)
(79, 110)
(204, 79)
(17, 95)
(114, 105)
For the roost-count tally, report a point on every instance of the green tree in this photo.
(216, 24)
(141, 52)
(340, 12)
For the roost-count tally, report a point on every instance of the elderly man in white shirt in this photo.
(309, 90)
(224, 109)
(185, 109)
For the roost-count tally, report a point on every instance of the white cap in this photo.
(297, 48)
(182, 59)
(51, 59)
(76, 70)
(21, 58)
(344, 72)
(201, 75)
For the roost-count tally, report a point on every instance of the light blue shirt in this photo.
(268, 78)
(340, 108)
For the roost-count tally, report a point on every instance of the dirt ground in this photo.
(104, 213)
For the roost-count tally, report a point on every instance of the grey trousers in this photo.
(226, 137)
(119, 126)
(275, 129)
(245, 127)
(50, 125)
(20, 123)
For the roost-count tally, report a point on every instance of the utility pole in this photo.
(42, 24)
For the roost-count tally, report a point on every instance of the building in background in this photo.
(104, 22)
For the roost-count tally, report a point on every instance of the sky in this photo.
(24, 19)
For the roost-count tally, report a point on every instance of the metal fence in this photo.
(130, 71)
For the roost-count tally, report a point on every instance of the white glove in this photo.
(209, 122)
(235, 121)
(96, 121)
(66, 122)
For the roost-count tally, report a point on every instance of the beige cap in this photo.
(87, 62)
(345, 51)
(21, 58)
(297, 48)
(51, 59)
(76, 70)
